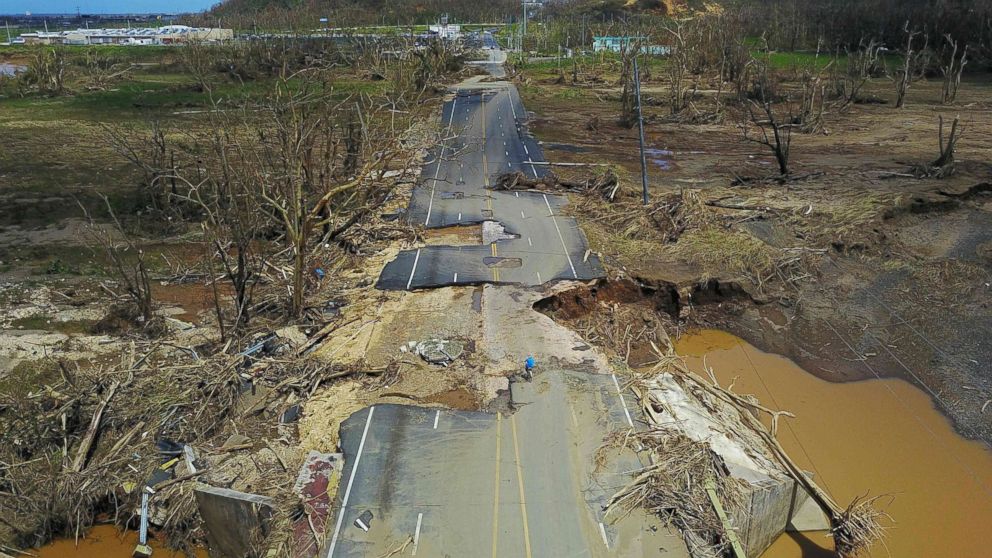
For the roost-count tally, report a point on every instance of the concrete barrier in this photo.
(235, 521)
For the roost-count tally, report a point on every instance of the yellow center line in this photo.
(499, 443)
(520, 486)
(485, 178)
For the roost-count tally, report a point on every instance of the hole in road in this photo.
(494, 231)
(497, 261)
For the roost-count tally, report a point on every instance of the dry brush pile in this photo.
(675, 485)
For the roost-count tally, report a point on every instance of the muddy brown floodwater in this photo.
(872, 437)
(104, 541)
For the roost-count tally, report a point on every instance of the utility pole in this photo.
(523, 30)
(640, 129)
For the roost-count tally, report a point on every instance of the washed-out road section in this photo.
(484, 136)
(473, 484)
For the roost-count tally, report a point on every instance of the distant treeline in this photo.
(800, 24)
(306, 14)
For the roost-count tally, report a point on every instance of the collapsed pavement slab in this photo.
(235, 521)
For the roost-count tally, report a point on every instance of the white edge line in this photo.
(602, 531)
(416, 534)
(413, 270)
(622, 402)
(351, 481)
(438, 415)
(551, 213)
(430, 206)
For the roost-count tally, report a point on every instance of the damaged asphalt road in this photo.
(524, 484)
(486, 137)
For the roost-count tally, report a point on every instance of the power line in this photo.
(916, 417)
(820, 475)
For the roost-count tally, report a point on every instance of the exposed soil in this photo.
(866, 270)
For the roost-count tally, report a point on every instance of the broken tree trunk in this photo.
(84, 447)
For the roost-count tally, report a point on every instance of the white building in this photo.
(165, 35)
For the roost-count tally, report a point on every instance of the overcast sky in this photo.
(103, 6)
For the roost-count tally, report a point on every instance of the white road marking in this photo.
(507, 153)
(602, 531)
(539, 280)
(551, 214)
(575, 419)
(508, 165)
(351, 481)
(459, 216)
(416, 534)
(438, 415)
(522, 216)
(414, 270)
(529, 243)
(455, 280)
(622, 402)
(527, 151)
(430, 206)
(517, 194)
(532, 169)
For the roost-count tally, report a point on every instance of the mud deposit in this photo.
(875, 437)
(104, 541)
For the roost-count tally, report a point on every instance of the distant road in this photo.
(485, 124)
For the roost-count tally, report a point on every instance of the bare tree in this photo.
(46, 71)
(952, 70)
(774, 132)
(861, 66)
(679, 67)
(127, 260)
(150, 151)
(914, 63)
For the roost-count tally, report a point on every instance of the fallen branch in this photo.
(84, 447)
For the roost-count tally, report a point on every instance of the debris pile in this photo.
(436, 351)
(710, 452)
(605, 186)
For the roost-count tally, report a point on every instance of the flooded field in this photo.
(104, 541)
(872, 437)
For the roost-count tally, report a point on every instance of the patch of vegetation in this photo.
(27, 376)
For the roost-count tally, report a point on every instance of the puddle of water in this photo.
(105, 541)
(662, 158)
(192, 298)
(877, 437)
(11, 69)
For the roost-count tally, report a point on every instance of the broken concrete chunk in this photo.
(493, 231)
(291, 414)
(364, 521)
(234, 521)
(439, 351)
